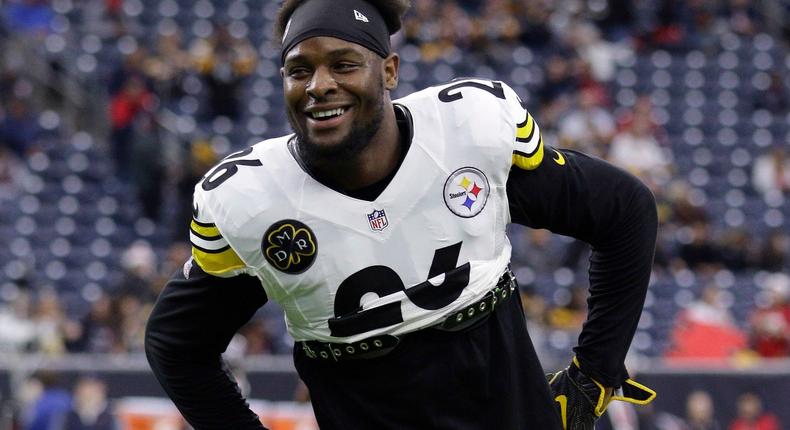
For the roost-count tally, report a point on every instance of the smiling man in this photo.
(379, 227)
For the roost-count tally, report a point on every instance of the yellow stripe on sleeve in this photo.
(525, 129)
(529, 161)
(217, 263)
(209, 231)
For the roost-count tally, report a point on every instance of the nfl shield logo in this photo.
(378, 220)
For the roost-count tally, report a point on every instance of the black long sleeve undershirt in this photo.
(189, 328)
(615, 213)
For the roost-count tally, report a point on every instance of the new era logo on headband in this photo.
(360, 17)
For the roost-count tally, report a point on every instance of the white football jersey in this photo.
(345, 269)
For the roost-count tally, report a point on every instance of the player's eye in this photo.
(346, 67)
(298, 72)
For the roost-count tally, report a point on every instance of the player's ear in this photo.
(390, 67)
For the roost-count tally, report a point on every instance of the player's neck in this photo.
(374, 163)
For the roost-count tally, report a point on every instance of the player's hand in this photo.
(581, 400)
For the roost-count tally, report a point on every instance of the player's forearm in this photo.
(620, 268)
(191, 325)
(202, 389)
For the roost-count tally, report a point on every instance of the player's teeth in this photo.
(328, 113)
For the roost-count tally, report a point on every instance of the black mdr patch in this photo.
(290, 246)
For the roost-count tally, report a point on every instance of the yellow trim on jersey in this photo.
(209, 231)
(525, 129)
(529, 161)
(217, 263)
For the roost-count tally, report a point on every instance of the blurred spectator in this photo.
(535, 17)
(650, 418)
(643, 108)
(636, 149)
(223, 61)
(113, 8)
(125, 107)
(701, 252)
(679, 206)
(700, 412)
(12, 175)
(441, 27)
(770, 323)
(557, 91)
(677, 213)
(706, 329)
(421, 26)
(617, 20)
(534, 305)
(99, 329)
(498, 23)
(50, 323)
(133, 314)
(710, 309)
(669, 31)
(774, 252)
(51, 402)
(587, 127)
(737, 249)
(700, 24)
(140, 272)
(570, 315)
(131, 67)
(775, 97)
(177, 254)
(587, 41)
(751, 415)
(147, 167)
(169, 64)
(771, 171)
(113, 16)
(743, 17)
(90, 409)
(19, 128)
(17, 328)
(258, 337)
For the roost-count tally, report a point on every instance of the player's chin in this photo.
(328, 144)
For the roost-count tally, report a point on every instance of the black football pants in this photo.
(486, 377)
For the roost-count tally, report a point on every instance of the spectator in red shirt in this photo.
(125, 107)
(751, 415)
(770, 325)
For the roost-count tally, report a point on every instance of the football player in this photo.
(379, 227)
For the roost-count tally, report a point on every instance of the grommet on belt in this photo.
(480, 309)
(366, 348)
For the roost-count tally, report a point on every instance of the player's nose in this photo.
(321, 83)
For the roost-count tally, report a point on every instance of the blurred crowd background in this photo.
(112, 110)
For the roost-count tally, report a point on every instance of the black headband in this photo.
(355, 21)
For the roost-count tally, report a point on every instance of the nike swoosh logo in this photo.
(560, 159)
(563, 401)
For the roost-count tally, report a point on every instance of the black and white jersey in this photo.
(345, 269)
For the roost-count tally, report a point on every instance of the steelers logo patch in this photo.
(466, 192)
(290, 246)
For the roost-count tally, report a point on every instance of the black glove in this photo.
(581, 400)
